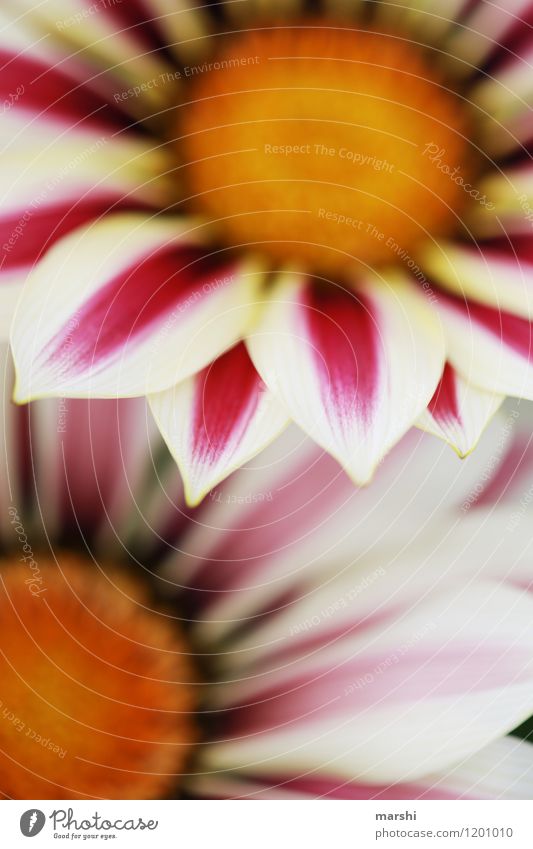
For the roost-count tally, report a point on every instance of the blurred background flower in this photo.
(292, 637)
(345, 186)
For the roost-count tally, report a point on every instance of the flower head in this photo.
(291, 637)
(98, 693)
(323, 217)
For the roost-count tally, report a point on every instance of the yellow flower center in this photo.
(323, 145)
(96, 690)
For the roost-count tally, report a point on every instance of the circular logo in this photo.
(32, 822)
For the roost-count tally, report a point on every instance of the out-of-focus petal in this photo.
(67, 159)
(101, 37)
(386, 703)
(217, 420)
(296, 520)
(502, 770)
(426, 18)
(127, 307)
(499, 274)
(503, 97)
(490, 348)
(507, 204)
(248, 10)
(354, 369)
(184, 26)
(486, 28)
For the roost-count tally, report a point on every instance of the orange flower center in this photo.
(323, 145)
(96, 690)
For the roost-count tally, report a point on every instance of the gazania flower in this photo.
(255, 212)
(292, 637)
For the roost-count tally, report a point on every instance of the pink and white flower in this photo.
(351, 645)
(325, 219)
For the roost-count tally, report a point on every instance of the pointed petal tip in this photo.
(22, 393)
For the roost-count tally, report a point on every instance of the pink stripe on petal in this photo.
(459, 411)
(355, 367)
(217, 420)
(444, 405)
(137, 18)
(128, 306)
(518, 38)
(424, 675)
(26, 234)
(513, 330)
(227, 395)
(48, 91)
(343, 335)
(91, 477)
(271, 528)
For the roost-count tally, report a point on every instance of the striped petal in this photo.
(127, 307)
(486, 28)
(458, 411)
(502, 770)
(354, 369)
(294, 531)
(217, 420)
(427, 18)
(101, 36)
(13, 438)
(504, 99)
(508, 206)
(498, 273)
(250, 10)
(67, 159)
(490, 348)
(183, 24)
(451, 674)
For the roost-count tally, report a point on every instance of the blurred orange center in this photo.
(96, 690)
(323, 144)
